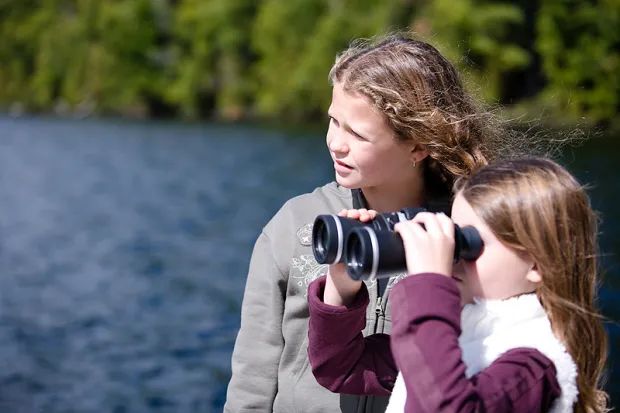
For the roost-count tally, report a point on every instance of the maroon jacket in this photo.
(424, 345)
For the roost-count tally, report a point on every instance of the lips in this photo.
(341, 168)
(340, 163)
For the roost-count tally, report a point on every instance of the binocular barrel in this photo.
(373, 254)
(330, 232)
(372, 249)
(328, 236)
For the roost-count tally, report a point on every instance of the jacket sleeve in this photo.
(342, 359)
(259, 343)
(425, 331)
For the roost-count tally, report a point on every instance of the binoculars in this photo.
(372, 249)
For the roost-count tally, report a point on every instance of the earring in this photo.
(414, 163)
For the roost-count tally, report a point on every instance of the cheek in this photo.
(502, 261)
(485, 264)
(472, 276)
(495, 274)
(488, 267)
(468, 267)
(381, 160)
(367, 157)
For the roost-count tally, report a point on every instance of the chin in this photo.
(347, 183)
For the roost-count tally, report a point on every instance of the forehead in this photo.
(463, 214)
(353, 104)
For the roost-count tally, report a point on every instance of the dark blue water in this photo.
(124, 248)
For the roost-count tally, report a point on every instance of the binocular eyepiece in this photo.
(372, 249)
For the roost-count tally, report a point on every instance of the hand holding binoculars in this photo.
(372, 249)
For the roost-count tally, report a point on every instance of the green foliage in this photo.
(291, 73)
(579, 43)
(479, 36)
(270, 59)
(212, 57)
(280, 51)
(84, 53)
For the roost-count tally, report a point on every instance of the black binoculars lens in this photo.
(327, 239)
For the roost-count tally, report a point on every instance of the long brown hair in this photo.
(420, 93)
(536, 207)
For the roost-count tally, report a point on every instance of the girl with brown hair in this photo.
(401, 130)
(528, 339)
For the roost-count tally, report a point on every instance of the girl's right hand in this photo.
(428, 239)
(340, 289)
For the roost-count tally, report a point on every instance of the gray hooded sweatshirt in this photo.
(270, 369)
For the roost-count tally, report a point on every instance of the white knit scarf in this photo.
(492, 327)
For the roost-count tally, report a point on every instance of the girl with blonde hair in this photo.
(528, 338)
(401, 130)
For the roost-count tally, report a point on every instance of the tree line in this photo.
(269, 59)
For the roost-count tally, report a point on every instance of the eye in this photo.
(358, 136)
(333, 120)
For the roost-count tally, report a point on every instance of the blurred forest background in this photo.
(246, 59)
(123, 242)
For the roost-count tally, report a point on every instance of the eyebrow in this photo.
(348, 128)
(355, 132)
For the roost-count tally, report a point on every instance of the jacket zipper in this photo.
(378, 313)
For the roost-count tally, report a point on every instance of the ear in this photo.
(533, 275)
(418, 153)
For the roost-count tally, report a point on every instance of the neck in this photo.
(393, 199)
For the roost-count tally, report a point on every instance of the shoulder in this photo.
(327, 196)
(302, 209)
(525, 376)
(289, 232)
(527, 356)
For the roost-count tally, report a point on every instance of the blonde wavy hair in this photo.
(423, 99)
(536, 207)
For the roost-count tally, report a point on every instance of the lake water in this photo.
(124, 247)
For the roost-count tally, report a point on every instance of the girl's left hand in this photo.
(428, 248)
(340, 289)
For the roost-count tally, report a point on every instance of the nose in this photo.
(336, 141)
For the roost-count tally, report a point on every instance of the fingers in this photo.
(447, 225)
(410, 229)
(429, 243)
(367, 214)
(436, 225)
(340, 289)
(361, 214)
(411, 232)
